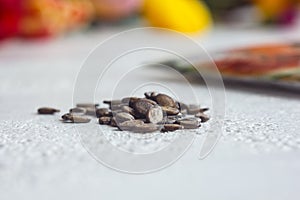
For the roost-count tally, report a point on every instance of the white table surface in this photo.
(42, 158)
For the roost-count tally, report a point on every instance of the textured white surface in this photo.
(41, 158)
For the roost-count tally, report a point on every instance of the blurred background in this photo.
(51, 18)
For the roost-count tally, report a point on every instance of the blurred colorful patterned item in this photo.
(272, 66)
(272, 61)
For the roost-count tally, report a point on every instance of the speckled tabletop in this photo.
(41, 158)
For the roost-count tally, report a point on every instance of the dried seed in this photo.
(113, 104)
(171, 127)
(129, 100)
(141, 107)
(87, 105)
(116, 107)
(202, 116)
(47, 111)
(171, 119)
(192, 111)
(166, 120)
(123, 116)
(150, 95)
(170, 110)
(113, 122)
(203, 109)
(66, 117)
(150, 101)
(78, 110)
(103, 112)
(175, 117)
(75, 118)
(126, 100)
(182, 107)
(91, 111)
(190, 123)
(104, 120)
(114, 112)
(165, 100)
(155, 115)
(79, 119)
(128, 109)
(145, 128)
(128, 125)
(132, 101)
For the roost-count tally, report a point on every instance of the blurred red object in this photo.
(10, 16)
(36, 18)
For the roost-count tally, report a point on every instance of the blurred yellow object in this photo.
(181, 15)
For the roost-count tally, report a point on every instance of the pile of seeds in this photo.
(154, 112)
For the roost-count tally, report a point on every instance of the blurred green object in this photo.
(221, 8)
